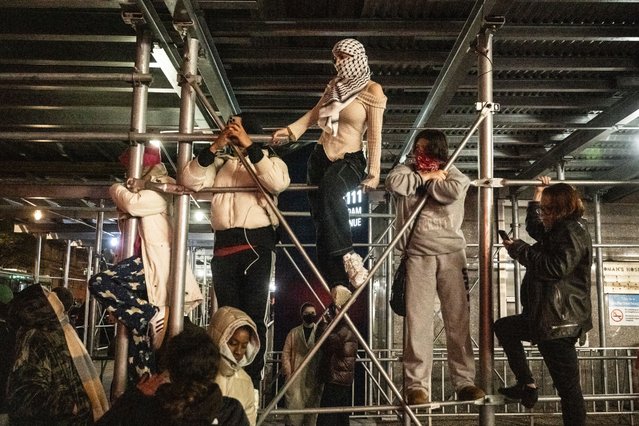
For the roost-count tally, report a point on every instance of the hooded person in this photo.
(137, 289)
(53, 380)
(236, 335)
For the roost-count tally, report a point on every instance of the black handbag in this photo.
(397, 299)
(398, 289)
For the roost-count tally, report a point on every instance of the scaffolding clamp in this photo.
(133, 18)
(492, 106)
(488, 183)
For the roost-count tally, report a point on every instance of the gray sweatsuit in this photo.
(436, 262)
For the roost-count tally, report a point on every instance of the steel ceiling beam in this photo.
(291, 84)
(421, 30)
(624, 112)
(417, 58)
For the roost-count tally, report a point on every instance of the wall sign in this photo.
(623, 309)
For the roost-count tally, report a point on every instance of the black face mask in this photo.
(309, 318)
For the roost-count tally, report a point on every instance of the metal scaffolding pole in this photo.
(67, 265)
(133, 77)
(485, 201)
(601, 297)
(38, 258)
(87, 296)
(514, 201)
(181, 202)
(138, 125)
(91, 304)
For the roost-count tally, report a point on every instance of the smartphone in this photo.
(503, 234)
(235, 119)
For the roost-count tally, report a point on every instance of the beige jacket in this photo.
(239, 209)
(156, 234)
(231, 377)
(306, 390)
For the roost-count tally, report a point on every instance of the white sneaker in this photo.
(340, 295)
(354, 265)
(157, 328)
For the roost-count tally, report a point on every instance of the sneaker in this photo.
(340, 295)
(525, 393)
(470, 393)
(157, 328)
(354, 265)
(417, 397)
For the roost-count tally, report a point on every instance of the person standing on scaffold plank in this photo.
(245, 227)
(136, 290)
(352, 105)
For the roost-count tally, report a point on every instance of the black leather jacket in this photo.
(555, 292)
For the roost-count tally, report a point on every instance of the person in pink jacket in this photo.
(136, 289)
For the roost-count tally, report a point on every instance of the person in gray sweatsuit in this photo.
(436, 262)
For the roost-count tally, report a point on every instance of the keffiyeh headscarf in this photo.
(353, 74)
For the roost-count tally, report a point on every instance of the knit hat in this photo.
(152, 156)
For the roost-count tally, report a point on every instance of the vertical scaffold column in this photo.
(91, 304)
(138, 125)
(67, 264)
(87, 296)
(38, 258)
(181, 222)
(514, 201)
(486, 351)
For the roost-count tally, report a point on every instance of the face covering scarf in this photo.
(426, 163)
(353, 74)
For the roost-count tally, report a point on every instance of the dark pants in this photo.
(560, 357)
(334, 180)
(334, 396)
(241, 280)
(122, 290)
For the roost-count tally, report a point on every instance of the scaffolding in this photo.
(383, 397)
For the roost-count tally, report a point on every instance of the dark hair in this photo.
(562, 201)
(251, 123)
(437, 144)
(192, 397)
(30, 309)
(65, 296)
(306, 305)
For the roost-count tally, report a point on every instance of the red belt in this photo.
(227, 251)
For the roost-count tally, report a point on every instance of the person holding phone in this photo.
(555, 296)
(245, 227)
(352, 105)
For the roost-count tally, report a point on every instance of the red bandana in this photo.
(425, 163)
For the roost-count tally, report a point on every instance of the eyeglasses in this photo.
(545, 210)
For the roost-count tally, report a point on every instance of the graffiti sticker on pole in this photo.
(623, 309)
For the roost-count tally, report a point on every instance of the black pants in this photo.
(334, 396)
(334, 180)
(241, 280)
(560, 357)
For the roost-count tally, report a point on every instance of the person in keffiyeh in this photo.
(53, 380)
(352, 105)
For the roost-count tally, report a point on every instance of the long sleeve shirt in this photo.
(364, 115)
